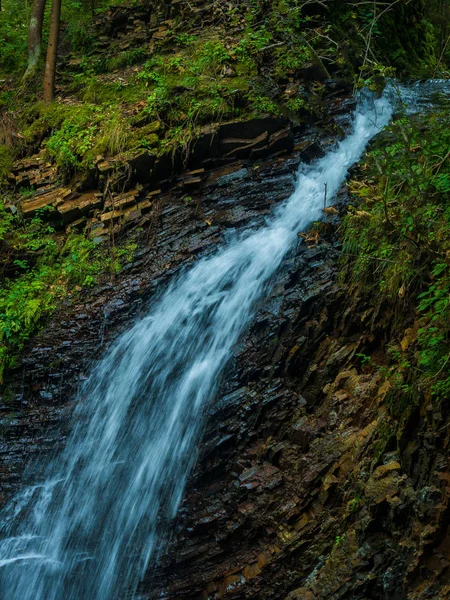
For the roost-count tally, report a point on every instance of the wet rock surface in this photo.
(177, 230)
(304, 487)
(301, 489)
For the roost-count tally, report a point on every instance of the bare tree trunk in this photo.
(35, 35)
(52, 51)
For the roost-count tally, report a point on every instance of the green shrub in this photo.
(397, 248)
(50, 266)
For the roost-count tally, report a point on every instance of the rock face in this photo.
(91, 203)
(302, 489)
(305, 487)
(177, 229)
(112, 192)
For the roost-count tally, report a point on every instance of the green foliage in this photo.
(353, 505)
(77, 31)
(234, 68)
(124, 254)
(185, 39)
(365, 359)
(77, 134)
(44, 269)
(13, 36)
(5, 222)
(434, 332)
(401, 37)
(297, 104)
(396, 247)
(288, 61)
(262, 104)
(119, 61)
(33, 291)
(80, 33)
(114, 135)
(201, 81)
(374, 77)
(72, 141)
(184, 87)
(254, 41)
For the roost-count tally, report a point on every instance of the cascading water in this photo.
(89, 530)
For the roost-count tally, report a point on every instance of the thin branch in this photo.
(374, 22)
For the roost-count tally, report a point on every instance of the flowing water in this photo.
(89, 530)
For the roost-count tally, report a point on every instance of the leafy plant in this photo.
(48, 270)
(365, 359)
(397, 249)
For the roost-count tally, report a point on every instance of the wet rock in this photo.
(301, 594)
(384, 483)
(303, 433)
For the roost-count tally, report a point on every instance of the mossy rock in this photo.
(147, 141)
(146, 130)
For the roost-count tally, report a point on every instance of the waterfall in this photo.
(89, 530)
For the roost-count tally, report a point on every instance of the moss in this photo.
(39, 120)
(6, 162)
(232, 70)
(112, 137)
(94, 91)
(178, 138)
(288, 60)
(74, 135)
(69, 144)
(150, 140)
(153, 127)
(123, 59)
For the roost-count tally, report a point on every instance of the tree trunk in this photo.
(52, 51)
(35, 35)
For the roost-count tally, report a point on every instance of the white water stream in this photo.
(90, 529)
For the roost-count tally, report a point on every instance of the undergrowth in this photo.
(397, 252)
(254, 58)
(40, 268)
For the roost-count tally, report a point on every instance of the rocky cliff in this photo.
(307, 485)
